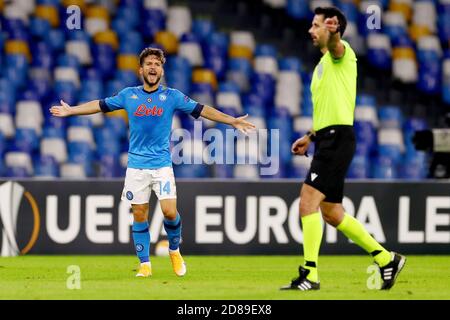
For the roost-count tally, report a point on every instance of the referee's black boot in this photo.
(301, 282)
(390, 272)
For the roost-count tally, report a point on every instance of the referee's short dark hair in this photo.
(152, 52)
(330, 12)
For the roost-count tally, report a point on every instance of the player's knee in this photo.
(170, 213)
(140, 213)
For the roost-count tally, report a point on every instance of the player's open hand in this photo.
(61, 111)
(300, 146)
(332, 24)
(242, 125)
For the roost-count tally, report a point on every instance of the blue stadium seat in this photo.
(446, 93)
(379, 58)
(290, 64)
(240, 64)
(384, 168)
(41, 87)
(178, 63)
(390, 151)
(131, 43)
(359, 167)
(413, 169)
(26, 139)
(68, 60)
(429, 76)
(365, 133)
(118, 125)
(39, 28)
(153, 21)
(223, 171)
(228, 86)
(365, 100)
(56, 39)
(46, 166)
(130, 15)
(53, 132)
(91, 73)
(264, 86)
(3, 144)
(6, 106)
(254, 110)
(202, 28)
(109, 166)
(67, 91)
(80, 35)
(17, 172)
(81, 153)
(265, 50)
(298, 9)
(113, 87)
(390, 117)
(191, 171)
(104, 60)
(79, 121)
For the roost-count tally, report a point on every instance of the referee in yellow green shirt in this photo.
(333, 89)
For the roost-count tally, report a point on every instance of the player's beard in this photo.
(150, 84)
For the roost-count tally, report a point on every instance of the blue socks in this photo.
(173, 230)
(141, 238)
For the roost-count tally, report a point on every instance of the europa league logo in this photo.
(11, 195)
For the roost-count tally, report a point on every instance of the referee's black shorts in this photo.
(334, 150)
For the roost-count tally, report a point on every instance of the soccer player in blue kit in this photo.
(150, 109)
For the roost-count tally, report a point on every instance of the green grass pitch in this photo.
(215, 278)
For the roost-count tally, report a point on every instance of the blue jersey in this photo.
(150, 121)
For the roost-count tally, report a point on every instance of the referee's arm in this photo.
(334, 44)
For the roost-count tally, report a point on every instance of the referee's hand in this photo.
(300, 146)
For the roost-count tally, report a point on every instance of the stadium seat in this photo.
(26, 140)
(72, 171)
(46, 167)
(54, 147)
(267, 65)
(246, 171)
(359, 168)
(190, 49)
(243, 39)
(379, 50)
(384, 168)
(14, 159)
(7, 127)
(390, 117)
(300, 166)
(229, 100)
(80, 133)
(179, 20)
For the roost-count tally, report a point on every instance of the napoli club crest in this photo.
(162, 97)
(129, 195)
(149, 100)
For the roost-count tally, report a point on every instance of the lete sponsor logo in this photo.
(143, 110)
(11, 196)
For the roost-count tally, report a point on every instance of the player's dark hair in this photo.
(330, 12)
(152, 52)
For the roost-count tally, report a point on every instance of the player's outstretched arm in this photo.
(64, 110)
(239, 123)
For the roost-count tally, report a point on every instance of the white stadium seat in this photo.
(72, 171)
(19, 159)
(55, 147)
